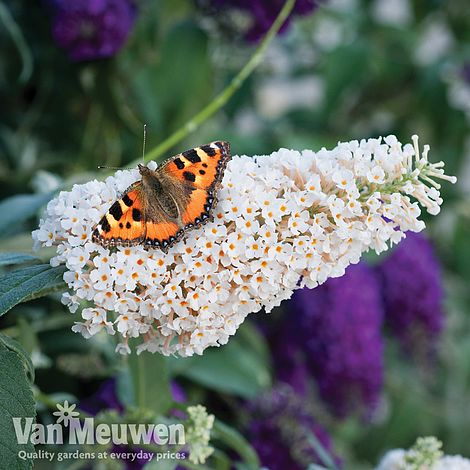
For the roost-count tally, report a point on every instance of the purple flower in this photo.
(104, 399)
(92, 29)
(264, 12)
(289, 357)
(280, 428)
(177, 393)
(333, 334)
(412, 289)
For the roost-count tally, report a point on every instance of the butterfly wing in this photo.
(199, 172)
(200, 167)
(123, 224)
(178, 196)
(162, 233)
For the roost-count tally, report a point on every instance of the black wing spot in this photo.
(202, 172)
(179, 163)
(136, 215)
(121, 225)
(188, 176)
(128, 225)
(192, 156)
(204, 165)
(105, 224)
(116, 210)
(127, 201)
(209, 150)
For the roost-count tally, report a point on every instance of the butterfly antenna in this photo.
(104, 167)
(101, 167)
(143, 144)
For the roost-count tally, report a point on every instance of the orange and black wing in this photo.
(123, 224)
(200, 171)
(161, 233)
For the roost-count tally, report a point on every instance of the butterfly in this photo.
(158, 209)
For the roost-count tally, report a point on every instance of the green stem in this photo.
(151, 382)
(20, 43)
(322, 453)
(44, 399)
(392, 187)
(222, 98)
(231, 438)
(47, 324)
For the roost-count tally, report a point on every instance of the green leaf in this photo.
(27, 335)
(16, 400)
(185, 48)
(235, 368)
(234, 440)
(460, 252)
(29, 283)
(15, 241)
(166, 96)
(150, 381)
(220, 460)
(251, 338)
(16, 258)
(346, 67)
(322, 453)
(12, 345)
(19, 40)
(19, 208)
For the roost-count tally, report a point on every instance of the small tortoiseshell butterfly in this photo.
(178, 196)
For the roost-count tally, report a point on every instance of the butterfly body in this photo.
(167, 202)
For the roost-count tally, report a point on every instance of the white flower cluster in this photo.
(198, 434)
(284, 221)
(425, 454)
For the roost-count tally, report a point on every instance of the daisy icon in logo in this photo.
(66, 413)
